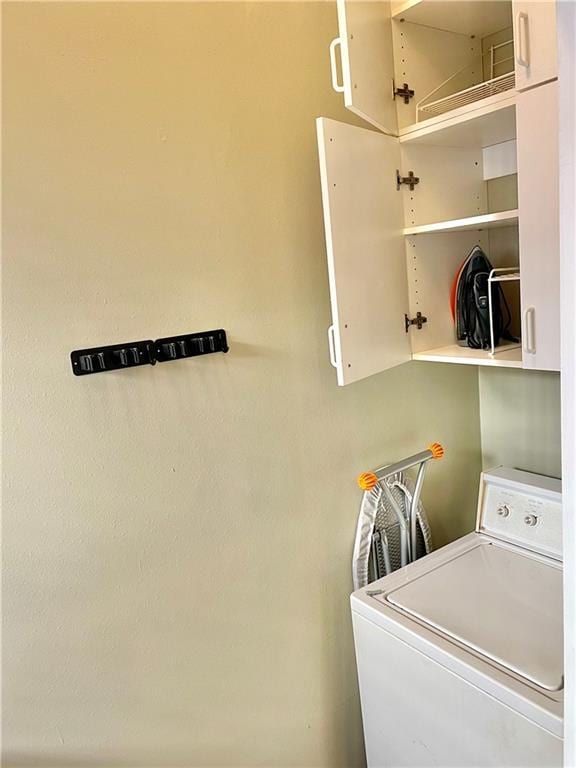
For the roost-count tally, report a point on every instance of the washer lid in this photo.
(504, 605)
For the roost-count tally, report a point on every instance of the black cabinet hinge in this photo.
(418, 321)
(405, 91)
(409, 180)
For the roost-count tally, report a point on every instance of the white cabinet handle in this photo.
(332, 346)
(529, 331)
(333, 68)
(522, 33)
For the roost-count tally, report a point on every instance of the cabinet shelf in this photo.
(485, 221)
(506, 356)
(480, 124)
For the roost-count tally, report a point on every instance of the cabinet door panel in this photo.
(537, 116)
(534, 42)
(365, 247)
(365, 38)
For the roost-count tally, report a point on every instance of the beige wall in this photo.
(520, 420)
(177, 539)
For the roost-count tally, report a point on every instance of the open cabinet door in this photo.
(365, 42)
(363, 219)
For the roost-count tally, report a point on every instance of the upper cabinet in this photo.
(461, 158)
(404, 65)
(534, 42)
(400, 218)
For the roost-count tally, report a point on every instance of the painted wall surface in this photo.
(177, 539)
(520, 420)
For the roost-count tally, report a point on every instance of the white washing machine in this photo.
(459, 655)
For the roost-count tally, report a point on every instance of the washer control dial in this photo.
(530, 519)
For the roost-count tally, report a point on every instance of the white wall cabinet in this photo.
(394, 249)
(537, 114)
(534, 42)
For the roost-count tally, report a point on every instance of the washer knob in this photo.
(530, 519)
(503, 510)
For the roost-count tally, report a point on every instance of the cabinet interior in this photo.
(458, 137)
(452, 61)
(465, 196)
(433, 261)
(451, 58)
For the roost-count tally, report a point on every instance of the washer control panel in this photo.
(522, 508)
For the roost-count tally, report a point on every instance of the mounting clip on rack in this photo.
(409, 180)
(406, 92)
(418, 321)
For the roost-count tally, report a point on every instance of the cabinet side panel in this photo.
(426, 57)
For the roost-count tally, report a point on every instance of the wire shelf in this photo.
(500, 275)
(452, 95)
(467, 96)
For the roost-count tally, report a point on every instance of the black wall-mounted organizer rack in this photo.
(190, 345)
(119, 356)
